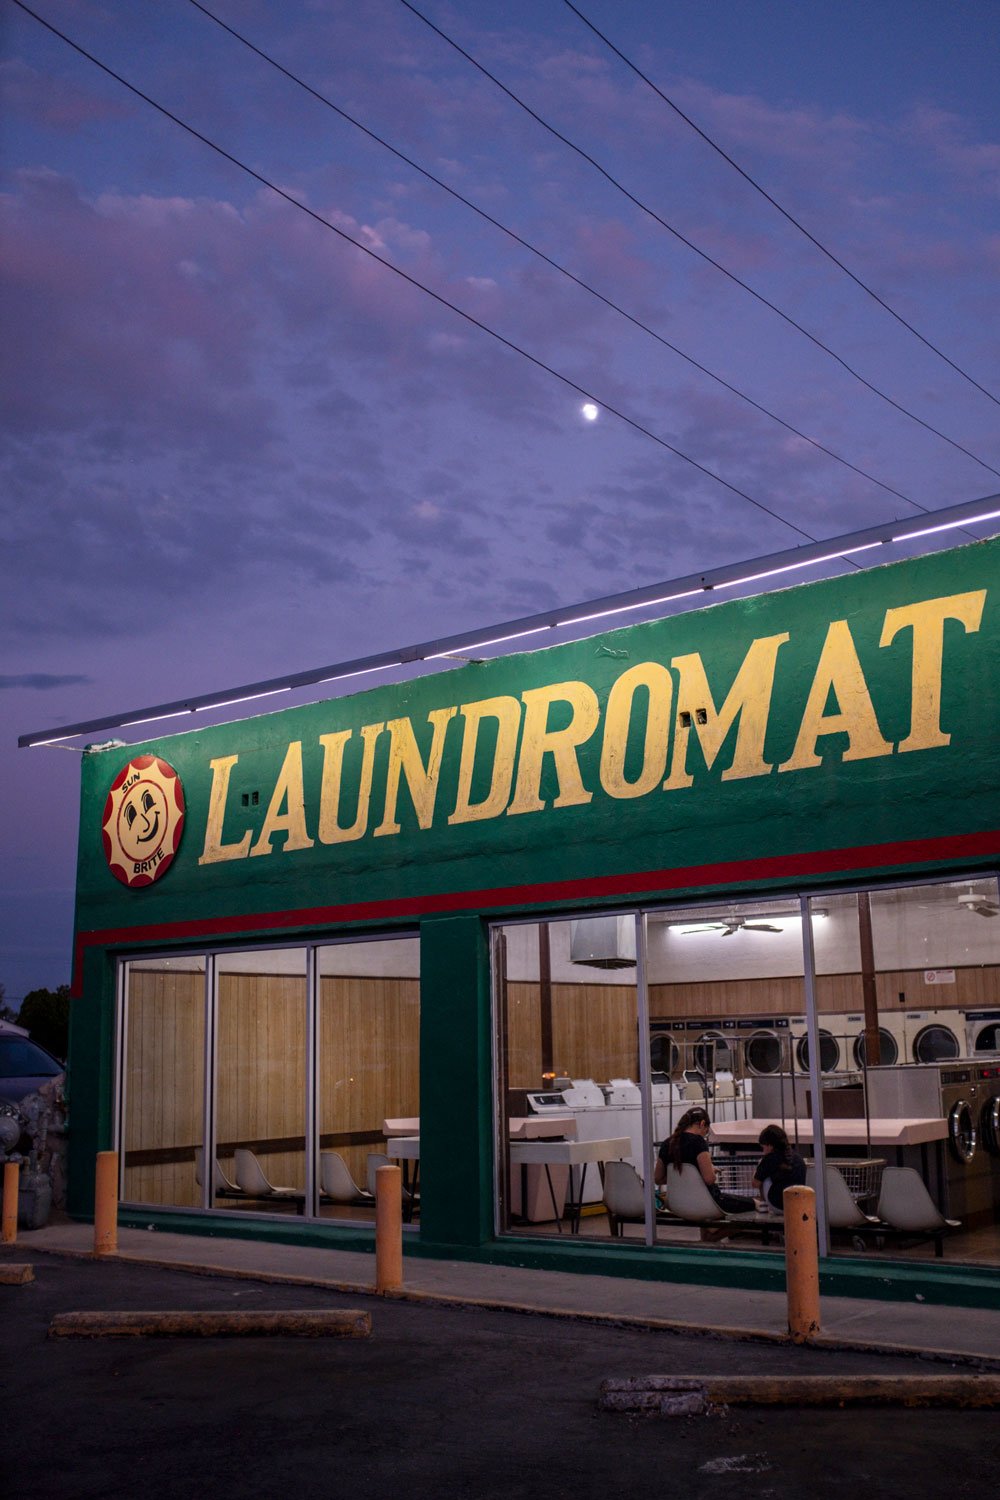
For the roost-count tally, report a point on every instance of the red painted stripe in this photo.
(736, 872)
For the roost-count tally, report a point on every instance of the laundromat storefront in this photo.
(508, 923)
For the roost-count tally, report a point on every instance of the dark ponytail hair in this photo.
(774, 1137)
(697, 1116)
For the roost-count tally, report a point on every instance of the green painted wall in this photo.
(896, 774)
(865, 788)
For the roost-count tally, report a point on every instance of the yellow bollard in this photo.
(388, 1229)
(11, 1171)
(106, 1204)
(801, 1263)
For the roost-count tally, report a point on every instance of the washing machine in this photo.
(851, 1031)
(666, 1040)
(961, 1178)
(982, 1033)
(831, 1051)
(933, 1036)
(843, 1030)
(762, 1045)
(595, 1121)
(707, 1047)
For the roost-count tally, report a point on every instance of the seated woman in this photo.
(688, 1147)
(780, 1167)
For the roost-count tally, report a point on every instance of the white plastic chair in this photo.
(223, 1186)
(375, 1160)
(906, 1206)
(624, 1196)
(688, 1196)
(251, 1179)
(842, 1212)
(336, 1181)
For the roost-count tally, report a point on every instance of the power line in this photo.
(796, 223)
(412, 280)
(549, 261)
(703, 254)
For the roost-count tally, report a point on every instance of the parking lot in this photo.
(438, 1402)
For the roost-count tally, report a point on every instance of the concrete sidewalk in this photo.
(960, 1334)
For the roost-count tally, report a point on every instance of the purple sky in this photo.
(235, 447)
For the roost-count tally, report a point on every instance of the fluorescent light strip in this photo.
(809, 562)
(343, 676)
(622, 609)
(496, 640)
(206, 708)
(989, 515)
(181, 713)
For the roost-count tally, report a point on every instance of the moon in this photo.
(589, 412)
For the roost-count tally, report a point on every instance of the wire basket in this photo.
(734, 1174)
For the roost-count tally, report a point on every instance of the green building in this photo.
(509, 922)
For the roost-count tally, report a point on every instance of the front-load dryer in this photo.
(830, 1050)
(762, 1045)
(933, 1036)
(891, 1039)
(982, 1033)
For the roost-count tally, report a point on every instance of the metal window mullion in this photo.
(645, 1074)
(815, 1075)
(209, 1070)
(120, 1071)
(312, 1089)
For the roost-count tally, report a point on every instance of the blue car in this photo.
(24, 1067)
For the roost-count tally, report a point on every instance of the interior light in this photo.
(809, 562)
(205, 708)
(989, 515)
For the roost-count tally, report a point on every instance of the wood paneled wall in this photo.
(369, 1058)
(593, 1032)
(974, 989)
(261, 1068)
(369, 1069)
(164, 1083)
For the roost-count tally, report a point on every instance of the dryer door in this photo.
(935, 1043)
(762, 1052)
(829, 1052)
(962, 1137)
(989, 1125)
(888, 1048)
(664, 1053)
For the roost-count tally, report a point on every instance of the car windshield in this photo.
(20, 1058)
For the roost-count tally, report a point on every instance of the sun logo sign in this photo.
(143, 821)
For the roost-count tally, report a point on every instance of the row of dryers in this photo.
(756, 1046)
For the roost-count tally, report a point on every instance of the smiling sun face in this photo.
(143, 820)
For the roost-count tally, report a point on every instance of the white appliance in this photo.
(585, 1101)
(982, 1033)
(933, 1036)
(831, 1050)
(850, 1032)
(762, 1045)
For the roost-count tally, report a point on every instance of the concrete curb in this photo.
(311, 1324)
(832, 1342)
(694, 1395)
(16, 1275)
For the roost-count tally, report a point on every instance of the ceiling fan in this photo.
(729, 925)
(971, 900)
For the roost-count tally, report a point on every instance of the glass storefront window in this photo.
(369, 1071)
(260, 1081)
(727, 1037)
(163, 1082)
(346, 1015)
(568, 1050)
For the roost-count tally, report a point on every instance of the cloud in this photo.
(43, 681)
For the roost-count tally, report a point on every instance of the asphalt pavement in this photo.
(448, 1399)
(951, 1334)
